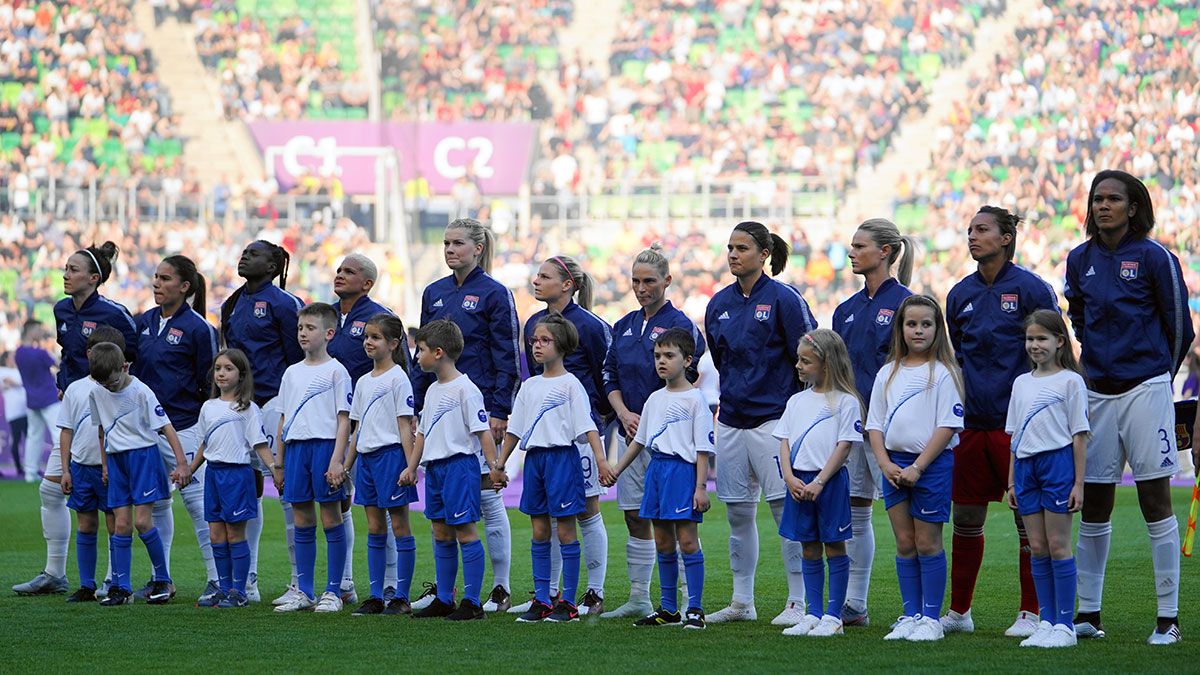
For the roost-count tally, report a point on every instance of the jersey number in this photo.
(1162, 436)
(586, 462)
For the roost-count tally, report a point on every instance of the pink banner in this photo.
(496, 153)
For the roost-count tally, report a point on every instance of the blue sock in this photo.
(85, 556)
(668, 580)
(376, 563)
(472, 556)
(693, 569)
(908, 571)
(221, 556)
(540, 551)
(933, 583)
(1065, 580)
(814, 584)
(1043, 582)
(239, 551)
(570, 561)
(306, 558)
(445, 569)
(839, 581)
(158, 557)
(122, 560)
(406, 563)
(335, 557)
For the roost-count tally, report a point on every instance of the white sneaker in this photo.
(288, 595)
(521, 608)
(348, 593)
(803, 626)
(426, 597)
(953, 622)
(830, 625)
(329, 602)
(1168, 638)
(1060, 636)
(1089, 630)
(298, 602)
(736, 611)
(904, 627)
(635, 608)
(1026, 624)
(928, 629)
(1039, 635)
(252, 593)
(790, 616)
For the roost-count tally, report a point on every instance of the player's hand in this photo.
(609, 482)
(909, 476)
(184, 476)
(336, 474)
(277, 479)
(605, 472)
(104, 476)
(66, 481)
(407, 477)
(499, 479)
(891, 473)
(629, 422)
(795, 487)
(1075, 500)
(499, 427)
(810, 491)
(701, 502)
(1010, 498)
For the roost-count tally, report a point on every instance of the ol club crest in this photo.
(174, 335)
(658, 330)
(470, 302)
(356, 328)
(762, 312)
(1129, 270)
(260, 309)
(884, 317)
(88, 327)
(1008, 302)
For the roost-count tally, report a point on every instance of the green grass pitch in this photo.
(44, 634)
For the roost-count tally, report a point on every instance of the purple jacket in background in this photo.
(34, 364)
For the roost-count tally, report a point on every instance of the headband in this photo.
(814, 344)
(94, 261)
(564, 266)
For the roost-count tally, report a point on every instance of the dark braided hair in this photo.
(280, 257)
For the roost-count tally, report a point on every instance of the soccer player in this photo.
(1128, 307)
(985, 314)
(753, 326)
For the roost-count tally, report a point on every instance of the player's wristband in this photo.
(1009, 488)
(818, 481)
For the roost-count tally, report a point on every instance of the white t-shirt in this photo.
(378, 401)
(908, 411)
(551, 412)
(454, 413)
(230, 434)
(1044, 413)
(676, 423)
(311, 398)
(14, 397)
(75, 414)
(813, 428)
(131, 417)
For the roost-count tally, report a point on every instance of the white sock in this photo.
(1091, 555)
(289, 524)
(193, 500)
(743, 550)
(254, 529)
(593, 539)
(389, 576)
(164, 520)
(683, 586)
(793, 558)
(555, 558)
(639, 556)
(499, 537)
(862, 553)
(348, 570)
(1164, 551)
(56, 526)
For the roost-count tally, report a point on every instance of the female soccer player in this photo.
(864, 321)
(1128, 306)
(754, 325)
(629, 379)
(484, 310)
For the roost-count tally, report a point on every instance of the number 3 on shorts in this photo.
(1162, 436)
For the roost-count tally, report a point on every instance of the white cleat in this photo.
(1170, 637)
(348, 593)
(289, 595)
(1026, 624)
(903, 627)
(953, 622)
(299, 602)
(736, 611)
(928, 629)
(1039, 636)
(426, 598)
(252, 594)
(790, 616)
(830, 625)
(635, 608)
(1086, 630)
(329, 602)
(804, 626)
(1060, 636)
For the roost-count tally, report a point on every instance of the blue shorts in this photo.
(553, 482)
(452, 489)
(825, 520)
(670, 489)
(88, 491)
(229, 493)
(304, 465)
(376, 475)
(929, 499)
(136, 477)
(1044, 481)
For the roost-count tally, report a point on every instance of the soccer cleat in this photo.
(1091, 629)
(434, 610)
(42, 584)
(397, 606)
(299, 602)
(1039, 636)
(803, 626)
(1024, 626)
(141, 593)
(498, 601)
(830, 625)
(426, 596)
(661, 617)
(537, 612)
(695, 619)
(347, 591)
(84, 594)
(635, 607)
(117, 596)
(564, 612)
(1168, 637)
(102, 592)
(591, 604)
(790, 616)
(1060, 636)
(525, 606)
(467, 611)
(329, 602)
(233, 599)
(371, 606)
(288, 596)
(210, 589)
(953, 622)
(928, 629)
(903, 627)
(852, 616)
(736, 611)
(252, 594)
(160, 593)
(389, 592)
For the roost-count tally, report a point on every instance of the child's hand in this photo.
(1075, 501)
(700, 502)
(810, 491)
(499, 479)
(277, 479)
(1010, 498)
(407, 477)
(909, 476)
(66, 481)
(336, 474)
(891, 473)
(606, 473)
(795, 487)
(609, 482)
(104, 476)
(182, 476)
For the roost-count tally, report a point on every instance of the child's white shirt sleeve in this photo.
(518, 421)
(1077, 406)
(341, 389)
(702, 426)
(360, 398)
(783, 428)
(474, 413)
(1010, 420)
(849, 419)
(948, 404)
(877, 412)
(256, 433)
(402, 394)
